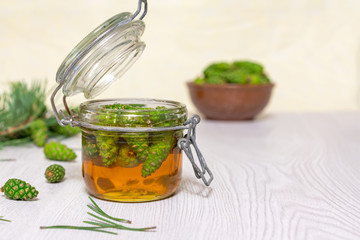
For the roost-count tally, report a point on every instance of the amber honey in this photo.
(126, 184)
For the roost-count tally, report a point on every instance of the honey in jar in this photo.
(132, 166)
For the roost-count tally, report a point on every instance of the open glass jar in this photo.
(132, 166)
(131, 148)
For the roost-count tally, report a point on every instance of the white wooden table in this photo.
(285, 176)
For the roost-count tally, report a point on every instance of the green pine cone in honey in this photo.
(108, 148)
(55, 173)
(39, 132)
(89, 148)
(143, 147)
(139, 142)
(58, 151)
(158, 153)
(19, 190)
(127, 157)
(108, 143)
(150, 117)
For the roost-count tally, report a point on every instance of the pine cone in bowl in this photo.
(231, 91)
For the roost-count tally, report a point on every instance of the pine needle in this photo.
(102, 222)
(96, 229)
(98, 210)
(14, 142)
(115, 225)
(5, 220)
(106, 225)
(7, 159)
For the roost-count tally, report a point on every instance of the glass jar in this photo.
(132, 166)
(131, 148)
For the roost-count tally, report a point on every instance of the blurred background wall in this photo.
(310, 48)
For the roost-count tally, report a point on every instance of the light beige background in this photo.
(310, 48)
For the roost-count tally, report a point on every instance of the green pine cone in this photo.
(158, 153)
(19, 190)
(156, 117)
(39, 132)
(89, 148)
(238, 76)
(127, 157)
(55, 173)
(139, 143)
(250, 67)
(141, 150)
(108, 148)
(58, 151)
(66, 131)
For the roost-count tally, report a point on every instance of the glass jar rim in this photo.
(94, 111)
(92, 103)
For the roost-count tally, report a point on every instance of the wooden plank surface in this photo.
(285, 176)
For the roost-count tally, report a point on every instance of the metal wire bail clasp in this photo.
(66, 118)
(185, 145)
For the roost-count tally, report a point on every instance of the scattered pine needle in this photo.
(7, 159)
(104, 221)
(96, 229)
(5, 220)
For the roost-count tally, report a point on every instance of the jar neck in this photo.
(133, 113)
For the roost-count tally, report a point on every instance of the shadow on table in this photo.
(27, 200)
(195, 187)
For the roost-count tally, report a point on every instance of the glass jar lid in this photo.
(102, 57)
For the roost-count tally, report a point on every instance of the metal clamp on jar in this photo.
(131, 148)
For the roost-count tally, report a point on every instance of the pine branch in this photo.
(20, 107)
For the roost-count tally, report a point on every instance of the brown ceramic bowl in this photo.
(230, 101)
